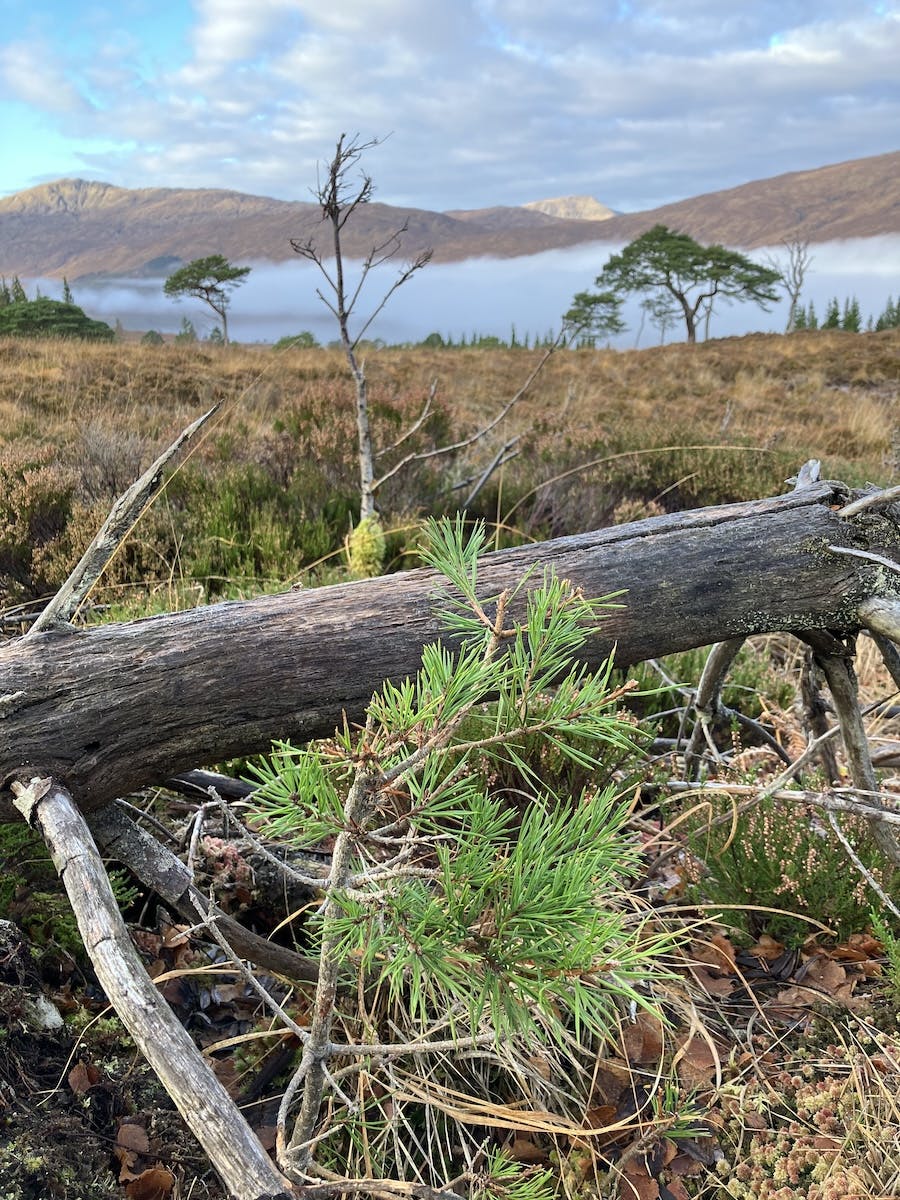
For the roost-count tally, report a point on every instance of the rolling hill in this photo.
(82, 229)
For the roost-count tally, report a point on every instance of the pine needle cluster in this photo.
(474, 917)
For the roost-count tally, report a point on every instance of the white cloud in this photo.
(490, 101)
(32, 74)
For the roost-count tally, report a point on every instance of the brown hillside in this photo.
(77, 228)
(853, 199)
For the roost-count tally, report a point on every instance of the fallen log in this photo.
(107, 710)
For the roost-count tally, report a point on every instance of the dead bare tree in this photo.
(342, 193)
(339, 197)
(793, 273)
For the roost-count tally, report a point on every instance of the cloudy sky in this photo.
(637, 102)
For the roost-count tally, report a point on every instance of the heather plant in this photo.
(628, 443)
(480, 943)
(781, 856)
(36, 497)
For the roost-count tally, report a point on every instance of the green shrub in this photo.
(780, 855)
(51, 318)
(464, 919)
(297, 341)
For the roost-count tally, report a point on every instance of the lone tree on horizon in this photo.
(670, 267)
(212, 280)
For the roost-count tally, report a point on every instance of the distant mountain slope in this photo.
(78, 228)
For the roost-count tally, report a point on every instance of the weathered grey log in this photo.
(107, 710)
(213, 1117)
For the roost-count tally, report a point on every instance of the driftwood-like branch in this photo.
(122, 516)
(836, 664)
(708, 701)
(206, 1107)
(108, 710)
(815, 710)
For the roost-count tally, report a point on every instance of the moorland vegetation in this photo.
(269, 494)
(790, 1093)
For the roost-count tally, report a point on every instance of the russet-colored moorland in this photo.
(604, 436)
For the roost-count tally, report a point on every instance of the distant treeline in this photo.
(847, 316)
(45, 317)
(434, 341)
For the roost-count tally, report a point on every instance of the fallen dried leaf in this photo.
(82, 1077)
(767, 948)
(696, 1064)
(601, 1117)
(636, 1183)
(683, 1164)
(526, 1150)
(156, 1183)
(133, 1137)
(713, 984)
(716, 951)
(643, 1039)
(674, 1190)
(127, 1163)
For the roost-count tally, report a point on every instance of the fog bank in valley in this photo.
(480, 296)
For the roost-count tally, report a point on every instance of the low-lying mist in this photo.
(481, 296)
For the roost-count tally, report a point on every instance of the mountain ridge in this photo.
(83, 228)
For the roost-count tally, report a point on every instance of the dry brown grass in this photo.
(603, 432)
(811, 394)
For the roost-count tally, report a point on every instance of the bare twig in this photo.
(890, 655)
(160, 870)
(861, 866)
(416, 425)
(207, 914)
(708, 700)
(841, 679)
(505, 454)
(881, 614)
(814, 711)
(296, 1156)
(873, 499)
(840, 800)
(868, 555)
(285, 869)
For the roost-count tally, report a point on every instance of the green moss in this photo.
(366, 548)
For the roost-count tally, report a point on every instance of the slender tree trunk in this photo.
(364, 439)
(690, 318)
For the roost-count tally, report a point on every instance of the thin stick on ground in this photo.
(861, 866)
